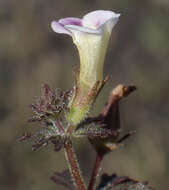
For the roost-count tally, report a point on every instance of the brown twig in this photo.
(116, 95)
(72, 161)
(60, 127)
(74, 167)
(95, 171)
(109, 117)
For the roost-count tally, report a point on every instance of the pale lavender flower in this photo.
(91, 36)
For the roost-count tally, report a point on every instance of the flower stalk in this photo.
(95, 172)
(74, 167)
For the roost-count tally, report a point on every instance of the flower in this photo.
(91, 36)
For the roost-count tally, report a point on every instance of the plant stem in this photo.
(95, 171)
(74, 167)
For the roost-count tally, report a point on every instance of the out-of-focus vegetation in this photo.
(32, 54)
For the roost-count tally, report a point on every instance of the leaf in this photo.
(50, 104)
(94, 131)
(63, 178)
(48, 134)
(114, 182)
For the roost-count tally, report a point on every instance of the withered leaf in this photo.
(63, 178)
(114, 182)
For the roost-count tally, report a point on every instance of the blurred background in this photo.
(32, 54)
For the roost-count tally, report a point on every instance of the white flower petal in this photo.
(97, 18)
(75, 28)
(71, 21)
(91, 36)
(59, 28)
(92, 47)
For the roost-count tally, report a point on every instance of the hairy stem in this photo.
(74, 167)
(95, 171)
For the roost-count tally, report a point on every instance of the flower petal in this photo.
(71, 21)
(75, 28)
(92, 47)
(59, 28)
(97, 18)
